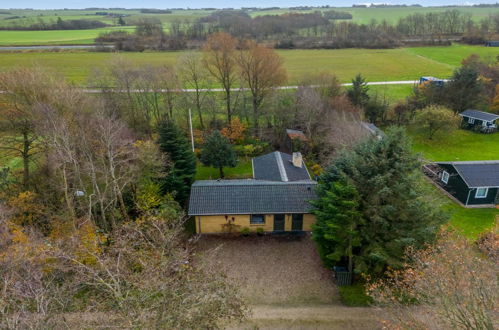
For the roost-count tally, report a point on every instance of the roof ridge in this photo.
(470, 162)
(280, 166)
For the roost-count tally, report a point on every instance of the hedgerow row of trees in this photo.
(59, 24)
(308, 30)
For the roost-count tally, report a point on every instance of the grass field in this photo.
(375, 65)
(461, 145)
(55, 37)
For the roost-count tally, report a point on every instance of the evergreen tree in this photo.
(121, 21)
(217, 152)
(338, 218)
(464, 90)
(358, 93)
(396, 210)
(182, 167)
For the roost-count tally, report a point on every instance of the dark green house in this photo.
(473, 183)
(479, 121)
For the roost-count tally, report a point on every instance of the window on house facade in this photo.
(257, 219)
(471, 120)
(445, 177)
(481, 192)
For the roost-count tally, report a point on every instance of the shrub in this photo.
(259, 231)
(245, 231)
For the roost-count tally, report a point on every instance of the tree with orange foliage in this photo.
(234, 131)
(219, 57)
(261, 70)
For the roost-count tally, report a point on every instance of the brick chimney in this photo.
(297, 159)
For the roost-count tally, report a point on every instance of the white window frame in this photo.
(445, 177)
(482, 196)
(471, 120)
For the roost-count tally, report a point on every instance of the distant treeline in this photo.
(59, 24)
(328, 29)
(155, 11)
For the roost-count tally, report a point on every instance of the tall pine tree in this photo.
(338, 218)
(182, 167)
(396, 207)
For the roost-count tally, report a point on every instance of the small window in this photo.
(445, 177)
(471, 120)
(481, 192)
(257, 219)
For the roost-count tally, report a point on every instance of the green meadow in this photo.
(54, 37)
(374, 64)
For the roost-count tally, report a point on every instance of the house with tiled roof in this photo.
(481, 121)
(276, 199)
(471, 183)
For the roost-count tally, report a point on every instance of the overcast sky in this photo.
(76, 4)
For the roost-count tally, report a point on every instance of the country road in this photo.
(188, 90)
(204, 90)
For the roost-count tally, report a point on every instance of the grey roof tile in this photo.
(212, 197)
(481, 115)
(478, 173)
(266, 167)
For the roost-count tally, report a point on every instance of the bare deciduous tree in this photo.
(220, 60)
(26, 89)
(261, 70)
(195, 76)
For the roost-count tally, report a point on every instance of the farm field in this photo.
(54, 37)
(375, 65)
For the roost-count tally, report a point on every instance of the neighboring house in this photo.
(276, 199)
(479, 121)
(471, 183)
(294, 141)
(372, 130)
(432, 80)
(492, 44)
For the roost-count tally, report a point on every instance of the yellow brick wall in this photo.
(308, 220)
(209, 224)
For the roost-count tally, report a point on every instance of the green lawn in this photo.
(375, 65)
(243, 170)
(471, 222)
(461, 145)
